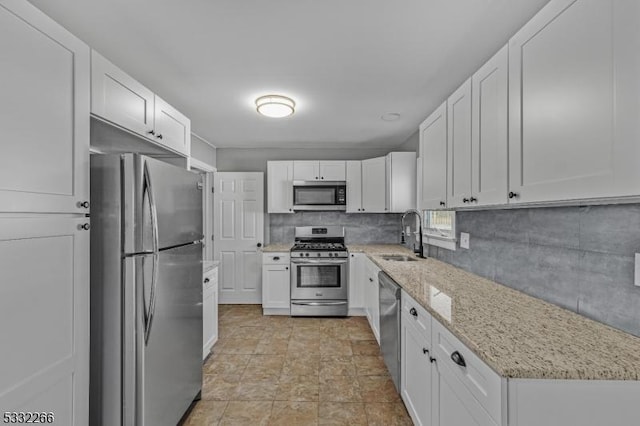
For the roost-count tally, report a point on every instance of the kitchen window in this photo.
(439, 228)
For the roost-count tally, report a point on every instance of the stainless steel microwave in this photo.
(319, 195)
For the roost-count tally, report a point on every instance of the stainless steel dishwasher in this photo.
(390, 325)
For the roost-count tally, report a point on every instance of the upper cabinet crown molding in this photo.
(120, 99)
(44, 114)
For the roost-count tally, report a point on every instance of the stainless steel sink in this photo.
(399, 258)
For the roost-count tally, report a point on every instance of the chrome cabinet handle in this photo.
(458, 359)
(413, 312)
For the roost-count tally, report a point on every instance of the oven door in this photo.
(319, 279)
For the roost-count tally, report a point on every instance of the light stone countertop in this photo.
(274, 248)
(519, 336)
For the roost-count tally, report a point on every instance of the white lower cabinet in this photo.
(276, 290)
(371, 302)
(416, 371)
(356, 284)
(209, 311)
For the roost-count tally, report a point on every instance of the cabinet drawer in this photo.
(210, 278)
(418, 315)
(478, 378)
(275, 258)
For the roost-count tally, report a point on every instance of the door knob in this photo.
(259, 245)
(83, 204)
(85, 226)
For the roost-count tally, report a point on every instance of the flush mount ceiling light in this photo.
(275, 106)
(390, 116)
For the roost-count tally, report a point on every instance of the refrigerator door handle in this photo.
(149, 313)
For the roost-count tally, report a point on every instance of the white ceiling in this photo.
(345, 62)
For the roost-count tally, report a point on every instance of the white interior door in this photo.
(238, 234)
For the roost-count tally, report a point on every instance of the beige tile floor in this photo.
(273, 370)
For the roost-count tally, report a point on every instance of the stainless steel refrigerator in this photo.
(146, 291)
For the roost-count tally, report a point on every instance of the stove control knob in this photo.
(318, 254)
(306, 254)
(330, 254)
(301, 254)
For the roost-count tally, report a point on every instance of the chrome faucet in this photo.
(420, 250)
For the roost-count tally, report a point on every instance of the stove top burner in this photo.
(319, 246)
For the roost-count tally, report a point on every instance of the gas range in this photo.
(319, 272)
(319, 242)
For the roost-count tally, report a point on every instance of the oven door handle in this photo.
(319, 262)
(319, 303)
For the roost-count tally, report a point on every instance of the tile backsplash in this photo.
(581, 258)
(364, 228)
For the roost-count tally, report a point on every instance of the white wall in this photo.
(202, 150)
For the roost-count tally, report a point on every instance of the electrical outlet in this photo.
(464, 241)
(636, 279)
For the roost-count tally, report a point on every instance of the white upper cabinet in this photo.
(354, 186)
(433, 151)
(459, 147)
(44, 114)
(374, 180)
(120, 99)
(333, 170)
(574, 105)
(172, 127)
(306, 170)
(117, 97)
(280, 186)
(401, 181)
(319, 170)
(489, 150)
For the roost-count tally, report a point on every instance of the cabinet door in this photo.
(433, 150)
(275, 286)
(453, 404)
(356, 282)
(489, 148)
(44, 303)
(172, 129)
(44, 114)
(279, 186)
(333, 170)
(416, 373)
(401, 181)
(374, 180)
(372, 293)
(118, 98)
(306, 170)
(354, 186)
(573, 98)
(459, 146)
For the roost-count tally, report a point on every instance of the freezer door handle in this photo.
(150, 310)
